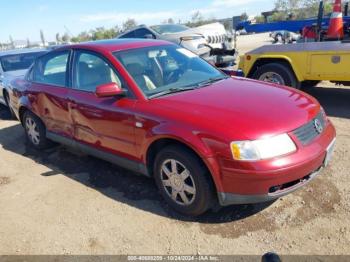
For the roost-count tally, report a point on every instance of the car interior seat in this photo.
(138, 73)
(90, 78)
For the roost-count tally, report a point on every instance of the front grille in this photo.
(309, 132)
(216, 39)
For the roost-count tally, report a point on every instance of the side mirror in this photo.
(109, 90)
(149, 36)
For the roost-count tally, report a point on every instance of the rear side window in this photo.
(51, 69)
(129, 35)
(142, 33)
(18, 62)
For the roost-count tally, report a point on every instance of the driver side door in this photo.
(102, 124)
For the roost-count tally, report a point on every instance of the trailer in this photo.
(292, 25)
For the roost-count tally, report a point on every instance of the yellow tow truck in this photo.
(301, 64)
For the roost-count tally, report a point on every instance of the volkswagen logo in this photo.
(318, 126)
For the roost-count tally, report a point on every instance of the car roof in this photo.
(22, 51)
(114, 45)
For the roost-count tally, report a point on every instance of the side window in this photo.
(129, 35)
(51, 69)
(142, 32)
(29, 75)
(92, 71)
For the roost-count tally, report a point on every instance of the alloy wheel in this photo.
(32, 131)
(272, 77)
(178, 182)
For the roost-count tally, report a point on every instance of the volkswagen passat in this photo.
(158, 109)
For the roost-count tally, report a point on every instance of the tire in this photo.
(281, 74)
(7, 100)
(278, 38)
(200, 189)
(35, 131)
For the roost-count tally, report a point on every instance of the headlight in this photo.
(263, 148)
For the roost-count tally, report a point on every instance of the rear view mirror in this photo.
(109, 90)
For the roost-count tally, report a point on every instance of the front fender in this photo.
(191, 139)
(249, 65)
(168, 131)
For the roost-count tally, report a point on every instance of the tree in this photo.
(244, 17)
(260, 19)
(42, 37)
(129, 24)
(58, 38)
(299, 9)
(66, 38)
(28, 42)
(197, 19)
(82, 37)
(101, 33)
(168, 21)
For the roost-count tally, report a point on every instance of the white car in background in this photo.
(284, 36)
(14, 64)
(209, 41)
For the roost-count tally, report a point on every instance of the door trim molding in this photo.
(114, 159)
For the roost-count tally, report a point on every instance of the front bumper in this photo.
(226, 199)
(263, 185)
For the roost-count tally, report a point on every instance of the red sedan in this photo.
(158, 109)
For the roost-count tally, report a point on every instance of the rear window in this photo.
(19, 61)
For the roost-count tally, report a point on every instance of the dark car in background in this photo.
(14, 64)
(212, 42)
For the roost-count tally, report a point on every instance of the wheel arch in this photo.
(161, 142)
(264, 60)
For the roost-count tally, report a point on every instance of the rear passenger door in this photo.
(49, 90)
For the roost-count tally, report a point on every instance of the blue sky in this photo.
(23, 19)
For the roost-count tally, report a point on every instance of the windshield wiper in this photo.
(208, 82)
(171, 91)
(211, 81)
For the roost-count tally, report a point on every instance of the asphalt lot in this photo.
(63, 202)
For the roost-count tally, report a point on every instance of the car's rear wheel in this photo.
(35, 131)
(277, 73)
(183, 181)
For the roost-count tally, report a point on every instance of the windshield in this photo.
(169, 28)
(18, 61)
(164, 69)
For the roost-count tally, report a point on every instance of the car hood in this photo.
(210, 29)
(242, 109)
(176, 36)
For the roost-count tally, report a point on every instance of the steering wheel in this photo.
(173, 76)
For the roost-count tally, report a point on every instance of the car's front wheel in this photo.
(35, 131)
(183, 181)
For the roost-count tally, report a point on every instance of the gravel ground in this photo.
(61, 202)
